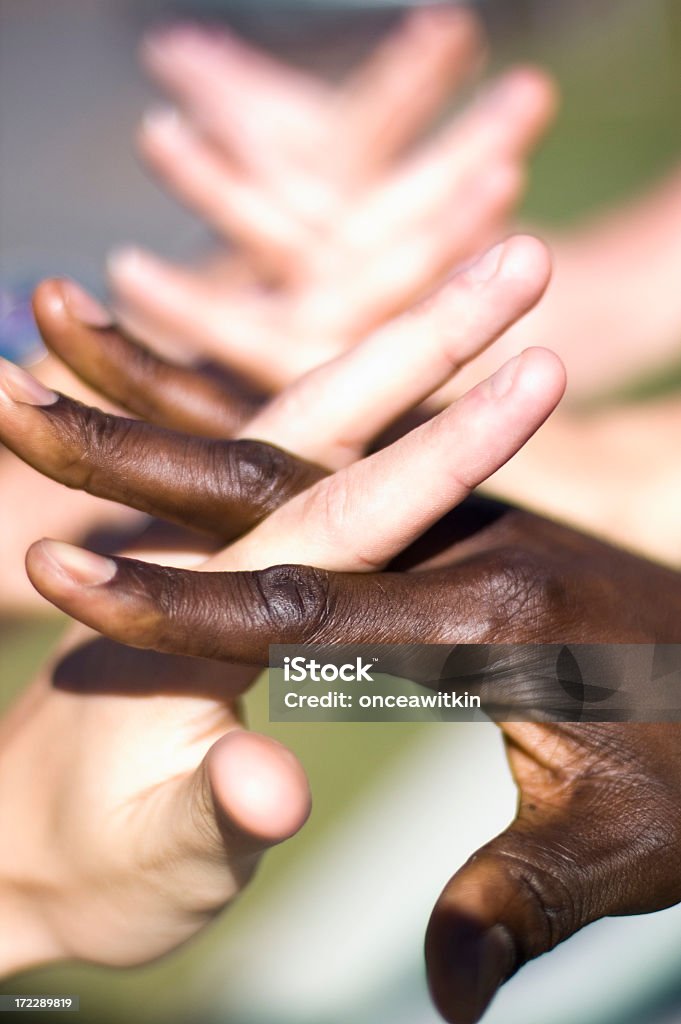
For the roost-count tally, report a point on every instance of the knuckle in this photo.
(550, 884)
(89, 442)
(294, 600)
(260, 475)
(333, 509)
(526, 596)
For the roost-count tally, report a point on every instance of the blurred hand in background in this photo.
(335, 227)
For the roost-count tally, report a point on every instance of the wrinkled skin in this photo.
(166, 802)
(598, 829)
(259, 134)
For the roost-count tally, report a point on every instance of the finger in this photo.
(209, 69)
(208, 184)
(236, 615)
(364, 391)
(341, 417)
(209, 827)
(221, 487)
(575, 853)
(402, 273)
(240, 336)
(82, 334)
(407, 487)
(248, 794)
(501, 127)
(389, 99)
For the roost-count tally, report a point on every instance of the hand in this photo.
(378, 247)
(597, 829)
(510, 577)
(613, 311)
(225, 312)
(281, 124)
(165, 802)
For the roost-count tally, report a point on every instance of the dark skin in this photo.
(598, 827)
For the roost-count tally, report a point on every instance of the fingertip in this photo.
(131, 270)
(49, 305)
(521, 261)
(438, 20)
(260, 786)
(41, 571)
(20, 388)
(542, 373)
(161, 45)
(467, 962)
(54, 563)
(527, 258)
(533, 381)
(58, 302)
(546, 89)
(534, 87)
(162, 132)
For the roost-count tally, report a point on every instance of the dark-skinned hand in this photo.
(166, 802)
(598, 827)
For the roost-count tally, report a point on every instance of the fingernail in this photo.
(85, 307)
(475, 965)
(495, 957)
(83, 567)
(502, 381)
(19, 386)
(487, 266)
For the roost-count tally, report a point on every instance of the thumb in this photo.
(525, 892)
(249, 793)
(259, 790)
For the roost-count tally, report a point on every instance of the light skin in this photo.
(166, 803)
(291, 327)
(392, 224)
(597, 830)
(610, 263)
(604, 338)
(416, 67)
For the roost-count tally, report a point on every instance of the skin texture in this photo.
(612, 460)
(166, 803)
(420, 215)
(597, 830)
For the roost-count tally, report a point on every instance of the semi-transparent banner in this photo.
(474, 682)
